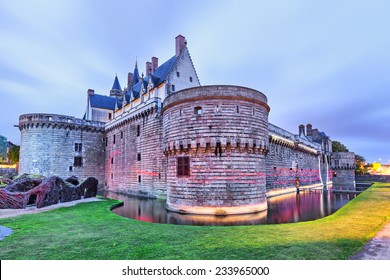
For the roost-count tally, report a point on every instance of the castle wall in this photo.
(343, 165)
(134, 163)
(48, 146)
(292, 162)
(223, 131)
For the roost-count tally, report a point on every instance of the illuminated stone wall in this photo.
(135, 163)
(224, 132)
(48, 146)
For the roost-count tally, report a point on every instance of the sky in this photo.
(321, 62)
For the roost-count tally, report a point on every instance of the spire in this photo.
(116, 85)
(136, 74)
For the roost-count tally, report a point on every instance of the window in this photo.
(217, 109)
(198, 110)
(78, 147)
(121, 134)
(70, 168)
(139, 178)
(109, 116)
(336, 162)
(183, 166)
(191, 79)
(238, 109)
(112, 175)
(178, 74)
(112, 160)
(106, 141)
(138, 130)
(173, 87)
(139, 156)
(78, 161)
(113, 139)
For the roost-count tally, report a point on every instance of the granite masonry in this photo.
(206, 149)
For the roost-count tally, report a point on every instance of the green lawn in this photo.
(91, 231)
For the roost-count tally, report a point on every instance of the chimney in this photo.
(130, 78)
(91, 92)
(301, 130)
(180, 44)
(154, 63)
(148, 68)
(309, 129)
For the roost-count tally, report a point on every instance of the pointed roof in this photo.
(136, 74)
(161, 73)
(116, 85)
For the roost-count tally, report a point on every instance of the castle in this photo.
(206, 149)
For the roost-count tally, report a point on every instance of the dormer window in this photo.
(191, 79)
(178, 74)
(173, 86)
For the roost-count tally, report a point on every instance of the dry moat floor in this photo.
(92, 231)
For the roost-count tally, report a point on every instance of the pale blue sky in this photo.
(326, 63)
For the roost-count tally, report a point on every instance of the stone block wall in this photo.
(292, 162)
(48, 146)
(224, 132)
(343, 165)
(135, 163)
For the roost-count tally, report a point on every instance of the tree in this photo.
(14, 154)
(360, 168)
(338, 147)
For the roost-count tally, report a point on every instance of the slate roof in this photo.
(136, 75)
(161, 72)
(158, 77)
(102, 101)
(116, 85)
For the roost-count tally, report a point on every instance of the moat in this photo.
(288, 208)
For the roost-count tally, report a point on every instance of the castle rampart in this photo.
(61, 145)
(292, 162)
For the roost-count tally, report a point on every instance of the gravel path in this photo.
(377, 248)
(8, 213)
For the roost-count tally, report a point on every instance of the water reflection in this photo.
(289, 208)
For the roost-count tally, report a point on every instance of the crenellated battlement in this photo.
(42, 120)
(210, 144)
(137, 113)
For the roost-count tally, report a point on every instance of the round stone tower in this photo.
(215, 143)
(61, 145)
